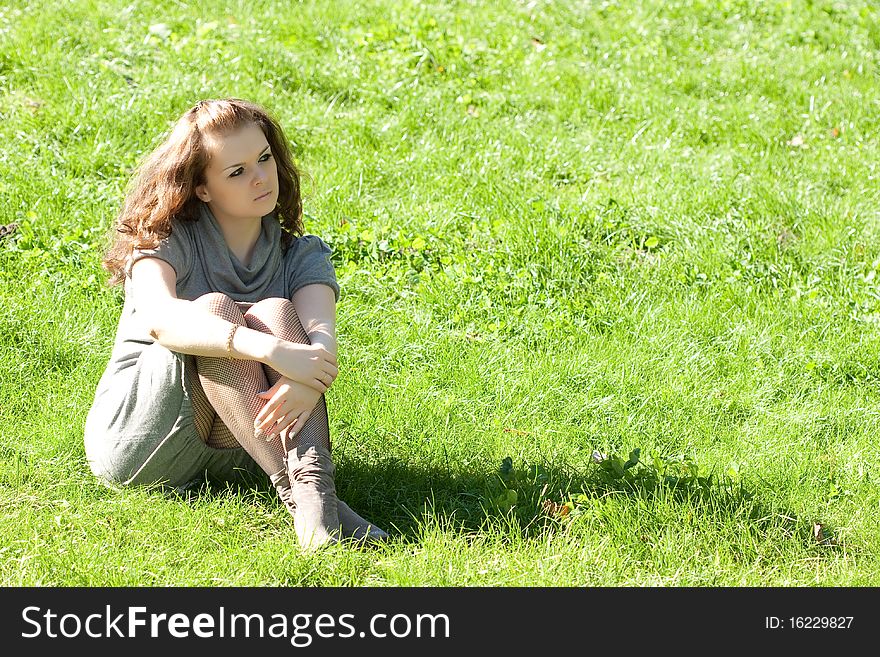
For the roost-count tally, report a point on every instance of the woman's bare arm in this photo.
(316, 307)
(187, 327)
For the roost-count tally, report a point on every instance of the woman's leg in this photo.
(230, 387)
(278, 317)
(211, 429)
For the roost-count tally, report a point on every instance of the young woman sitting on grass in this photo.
(227, 339)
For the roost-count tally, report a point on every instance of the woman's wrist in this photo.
(325, 339)
(254, 345)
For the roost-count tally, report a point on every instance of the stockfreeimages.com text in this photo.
(300, 629)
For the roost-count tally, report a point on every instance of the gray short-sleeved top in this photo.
(198, 253)
(126, 425)
(204, 263)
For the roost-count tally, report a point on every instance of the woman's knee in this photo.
(278, 316)
(270, 307)
(273, 311)
(221, 305)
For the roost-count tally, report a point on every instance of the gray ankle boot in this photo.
(281, 482)
(313, 496)
(351, 525)
(357, 528)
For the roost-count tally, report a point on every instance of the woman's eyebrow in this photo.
(241, 164)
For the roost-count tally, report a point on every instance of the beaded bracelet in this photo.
(229, 340)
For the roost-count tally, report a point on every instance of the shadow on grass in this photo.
(536, 498)
(405, 499)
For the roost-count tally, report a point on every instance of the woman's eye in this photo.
(237, 172)
(265, 157)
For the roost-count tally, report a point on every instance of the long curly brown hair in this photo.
(163, 188)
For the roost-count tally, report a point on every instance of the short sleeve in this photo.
(176, 250)
(307, 262)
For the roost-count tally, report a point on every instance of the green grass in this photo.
(559, 228)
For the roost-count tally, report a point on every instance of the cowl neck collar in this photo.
(229, 274)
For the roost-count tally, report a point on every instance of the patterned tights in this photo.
(224, 392)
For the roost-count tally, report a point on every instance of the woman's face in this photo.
(241, 179)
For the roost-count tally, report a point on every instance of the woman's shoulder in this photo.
(306, 244)
(308, 260)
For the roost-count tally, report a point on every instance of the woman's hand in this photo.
(288, 405)
(311, 365)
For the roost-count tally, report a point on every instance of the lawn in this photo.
(610, 303)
